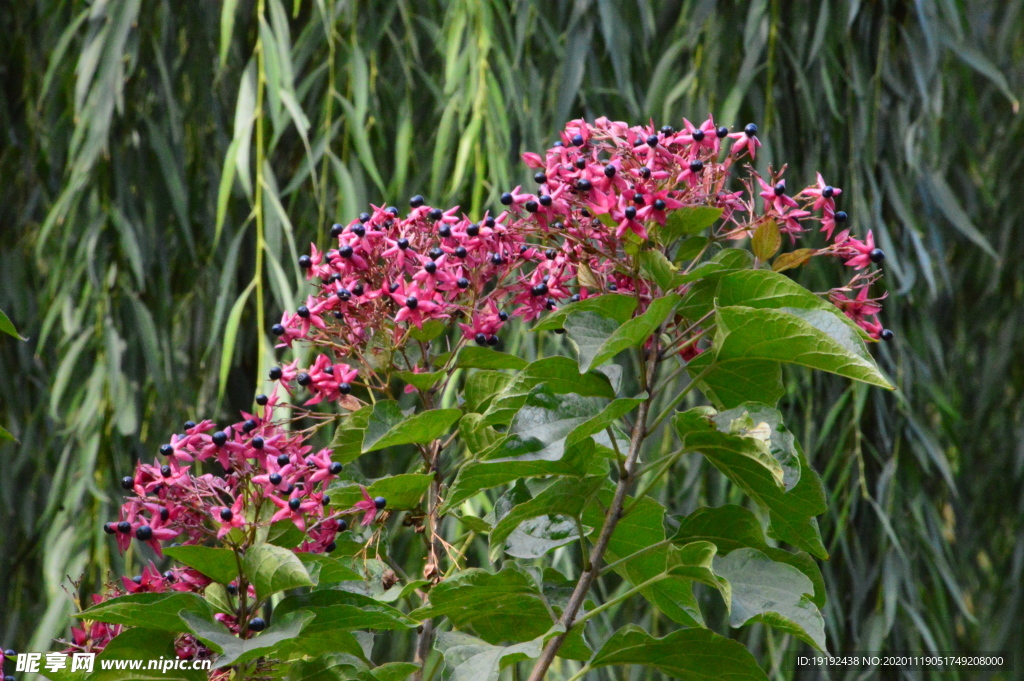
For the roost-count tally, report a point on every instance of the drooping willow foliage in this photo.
(164, 165)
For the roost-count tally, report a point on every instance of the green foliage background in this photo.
(151, 215)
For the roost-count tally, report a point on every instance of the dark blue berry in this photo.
(531, 206)
(165, 471)
(668, 130)
(345, 251)
(722, 132)
(294, 503)
(124, 527)
(444, 231)
(697, 135)
(330, 548)
(435, 214)
(473, 230)
(630, 212)
(506, 199)
(344, 388)
(109, 528)
(335, 468)
(828, 192)
(481, 339)
(144, 533)
(411, 302)
(751, 129)
(336, 230)
(257, 442)
(127, 482)
(416, 201)
(840, 216)
(305, 262)
(342, 525)
(302, 311)
(461, 252)
(276, 374)
(652, 141)
(577, 140)
(659, 205)
(282, 459)
(380, 503)
(275, 479)
(540, 177)
(226, 515)
(462, 282)
(220, 438)
(430, 267)
(886, 334)
(876, 255)
(364, 217)
(696, 165)
(609, 171)
(257, 624)
(545, 200)
(584, 185)
(403, 244)
(304, 379)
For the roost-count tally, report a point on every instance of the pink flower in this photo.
(368, 506)
(863, 252)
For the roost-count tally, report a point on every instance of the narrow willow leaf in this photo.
(7, 327)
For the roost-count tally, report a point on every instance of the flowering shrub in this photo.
(657, 246)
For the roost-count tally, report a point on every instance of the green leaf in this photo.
(7, 327)
(770, 592)
(149, 610)
(482, 386)
(690, 249)
(617, 306)
(422, 381)
(468, 658)
(339, 665)
(475, 357)
(732, 527)
(762, 426)
(560, 502)
(766, 240)
(432, 328)
(218, 564)
(347, 444)
(600, 338)
(657, 267)
(730, 384)
(393, 671)
(141, 644)
(560, 375)
(271, 569)
(686, 221)
(401, 491)
(326, 570)
(642, 527)
(475, 434)
(389, 427)
(763, 289)
(234, 650)
(791, 512)
(687, 654)
(813, 338)
(793, 259)
(477, 476)
(502, 606)
(734, 258)
(338, 610)
(5, 436)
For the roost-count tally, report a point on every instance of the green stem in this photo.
(620, 598)
(679, 398)
(581, 673)
(650, 547)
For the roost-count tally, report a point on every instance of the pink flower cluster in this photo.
(601, 186)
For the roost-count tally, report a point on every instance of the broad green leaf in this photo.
(432, 328)
(763, 289)
(475, 357)
(338, 610)
(149, 611)
(774, 593)
(791, 512)
(730, 384)
(218, 564)
(137, 643)
(482, 386)
(391, 671)
(615, 410)
(325, 570)
(502, 606)
(766, 240)
(687, 654)
(217, 596)
(475, 434)
(477, 476)
(560, 375)
(657, 267)
(690, 249)
(734, 258)
(762, 426)
(468, 658)
(793, 259)
(732, 527)
(617, 306)
(348, 438)
(234, 650)
(422, 381)
(599, 338)
(339, 665)
(389, 427)
(642, 527)
(271, 569)
(400, 491)
(284, 533)
(7, 327)
(813, 338)
(686, 221)
(562, 501)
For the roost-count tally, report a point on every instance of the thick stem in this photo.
(611, 520)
